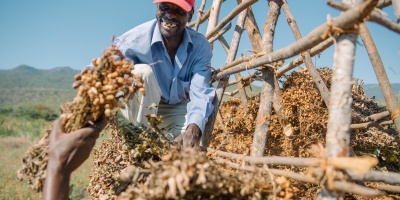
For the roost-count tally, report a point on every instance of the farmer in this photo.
(173, 61)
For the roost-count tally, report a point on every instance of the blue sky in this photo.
(46, 34)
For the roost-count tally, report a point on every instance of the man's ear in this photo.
(190, 15)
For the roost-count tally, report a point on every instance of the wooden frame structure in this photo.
(343, 31)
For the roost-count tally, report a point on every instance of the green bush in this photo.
(4, 111)
(37, 112)
(27, 121)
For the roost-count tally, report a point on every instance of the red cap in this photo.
(186, 5)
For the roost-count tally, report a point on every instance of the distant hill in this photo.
(371, 90)
(27, 86)
(26, 77)
(374, 90)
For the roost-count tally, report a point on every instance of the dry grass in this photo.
(11, 151)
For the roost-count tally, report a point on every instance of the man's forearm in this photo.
(56, 185)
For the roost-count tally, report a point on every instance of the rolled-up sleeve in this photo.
(201, 91)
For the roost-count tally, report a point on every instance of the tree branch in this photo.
(299, 60)
(374, 16)
(340, 186)
(377, 116)
(201, 20)
(389, 188)
(220, 33)
(199, 15)
(376, 176)
(263, 119)
(373, 175)
(229, 17)
(380, 73)
(221, 88)
(345, 21)
(316, 77)
(276, 160)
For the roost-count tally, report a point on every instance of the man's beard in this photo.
(169, 28)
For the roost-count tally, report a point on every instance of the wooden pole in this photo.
(221, 88)
(256, 41)
(383, 3)
(396, 8)
(252, 29)
(316, 77)
(299, 60)
(229, 17)
(220, 33)
(201, 20)
(339, 118)
(341, 186)
(199, 14)
(381, 75)
(241, 88)
(246, 78)
(206, 136)
(263, 118)
(224, 43)
(242, 91)
(346, 20)
(214, 14)
(374, 16)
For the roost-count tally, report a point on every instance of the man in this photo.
(178, 80)
(172, 60)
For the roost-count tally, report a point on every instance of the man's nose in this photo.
(171, 13)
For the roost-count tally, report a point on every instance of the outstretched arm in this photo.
(66, 153)
(201, 95)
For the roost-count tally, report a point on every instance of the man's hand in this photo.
(66, 153)
(72, 149)
(190, 138)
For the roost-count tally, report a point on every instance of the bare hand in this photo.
(72, 149)
(66, 153)
(190, 138)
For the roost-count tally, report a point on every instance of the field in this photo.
(30, 100)
(26, 111)
(20, 129)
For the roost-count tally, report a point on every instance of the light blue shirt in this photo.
(187, 79)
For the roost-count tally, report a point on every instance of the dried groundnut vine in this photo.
(190, 174)
(102, 88)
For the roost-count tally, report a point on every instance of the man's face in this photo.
(172, 19)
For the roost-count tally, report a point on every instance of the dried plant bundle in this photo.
(305, 110)
(135, 163)
(102, 89)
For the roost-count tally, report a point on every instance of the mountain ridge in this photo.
(27, 78)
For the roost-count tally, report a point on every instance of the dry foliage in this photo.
(304, 108)
(182, 174)
(102, 88)
(140, 163)
(189, 174)
(136, 163)
(127, 145)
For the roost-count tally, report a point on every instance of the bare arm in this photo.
(66, 153)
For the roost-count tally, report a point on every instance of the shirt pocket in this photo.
(183, 88)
